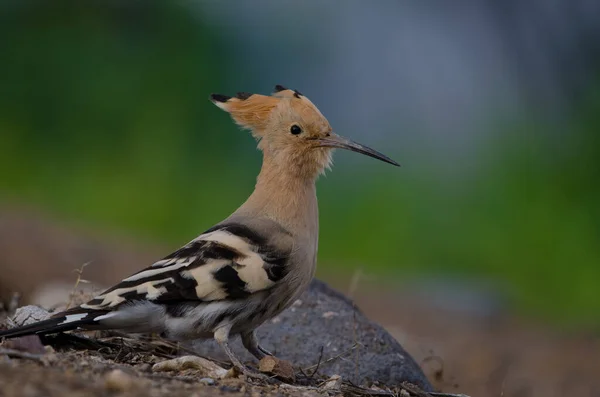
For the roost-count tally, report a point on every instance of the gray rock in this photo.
(207, 381)
(29, 314)
(324, 318)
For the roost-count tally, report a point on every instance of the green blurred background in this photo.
(105, 119)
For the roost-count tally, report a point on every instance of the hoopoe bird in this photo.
(246, 269)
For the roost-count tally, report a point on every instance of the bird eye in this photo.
(295, 129)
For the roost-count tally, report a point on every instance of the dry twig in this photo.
(77, 282)
(334, 357)
(19, 354)
(318, 365)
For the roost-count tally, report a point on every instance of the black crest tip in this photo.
(279, 88)
(243, 95)
(219, 98)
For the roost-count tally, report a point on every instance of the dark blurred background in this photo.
(492, 108)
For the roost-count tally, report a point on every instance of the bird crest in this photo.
(260, 113)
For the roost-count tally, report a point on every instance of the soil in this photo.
(87, 373)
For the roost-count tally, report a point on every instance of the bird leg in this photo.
(221, 335)
(251, 344)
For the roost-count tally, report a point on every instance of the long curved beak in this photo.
(336, 141)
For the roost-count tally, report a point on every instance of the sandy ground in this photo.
(497, 354)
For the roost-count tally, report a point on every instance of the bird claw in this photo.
(265, 351)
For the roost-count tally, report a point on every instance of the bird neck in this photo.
(287, 197)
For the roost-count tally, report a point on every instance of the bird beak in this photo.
(336, 141)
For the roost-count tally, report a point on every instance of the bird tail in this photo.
(65, 321)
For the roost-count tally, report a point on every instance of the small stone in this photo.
(329, 314)
(144, 367)
(267, 364)
(206, 367)
(29, 314)
(117, 380)
(280, 368)
(229, 389)
(232, 372)
(27, 343)
(333, 383)
(207, 381)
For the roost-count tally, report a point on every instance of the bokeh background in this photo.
(492, 108)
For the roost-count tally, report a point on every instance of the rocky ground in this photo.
(85, 373)
(486, 352)
(323, 344)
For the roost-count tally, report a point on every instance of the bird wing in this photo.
(228, 261)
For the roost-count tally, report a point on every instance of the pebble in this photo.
(27, 343)
(117, 380)
(274, 366)
(29, 314)
(207, 381)
(144, 368)
(334, 383)
(229, 389)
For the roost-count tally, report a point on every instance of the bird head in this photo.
(291, 131)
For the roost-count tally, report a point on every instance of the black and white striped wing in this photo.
(227, 262)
